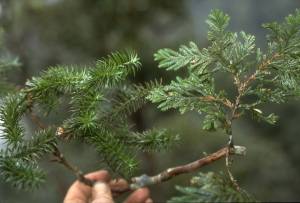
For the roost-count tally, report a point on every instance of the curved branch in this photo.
(145, 180)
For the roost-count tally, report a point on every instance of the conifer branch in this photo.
(231, 53)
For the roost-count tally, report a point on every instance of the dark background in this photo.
(49, 32)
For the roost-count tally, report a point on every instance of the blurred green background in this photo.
(48, 32)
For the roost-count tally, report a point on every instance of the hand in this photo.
(101, 191)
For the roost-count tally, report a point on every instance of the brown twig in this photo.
(59, 157)
(242, 87)
(228, 163)
(36, 120)
(146, 180)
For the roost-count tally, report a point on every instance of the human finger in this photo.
(101, 193)
(79, 192)
(139, 196)
(149, 200)
(117, 185)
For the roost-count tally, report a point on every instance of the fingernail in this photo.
(101, 193)
(149, 200)
(101, 187)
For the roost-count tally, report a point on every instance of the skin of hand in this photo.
(101, 191)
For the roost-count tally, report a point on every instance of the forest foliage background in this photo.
(49, 32)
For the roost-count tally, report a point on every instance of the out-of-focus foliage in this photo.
(79, 31)
(7, 62)
(211, 187)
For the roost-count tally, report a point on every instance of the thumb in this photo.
(101, 193)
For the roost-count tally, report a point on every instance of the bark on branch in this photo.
(145, 180)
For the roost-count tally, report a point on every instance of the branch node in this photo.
(141, 181)
(238, 150)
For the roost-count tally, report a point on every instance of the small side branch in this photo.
(229, 162)
(35, 119)
(224, 101)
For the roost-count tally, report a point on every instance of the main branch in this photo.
(145, 180)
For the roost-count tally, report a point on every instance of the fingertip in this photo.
(101, 175)
(149, 200)
(118, 184)
(79, 192)
(139, 196)
(145, 191)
